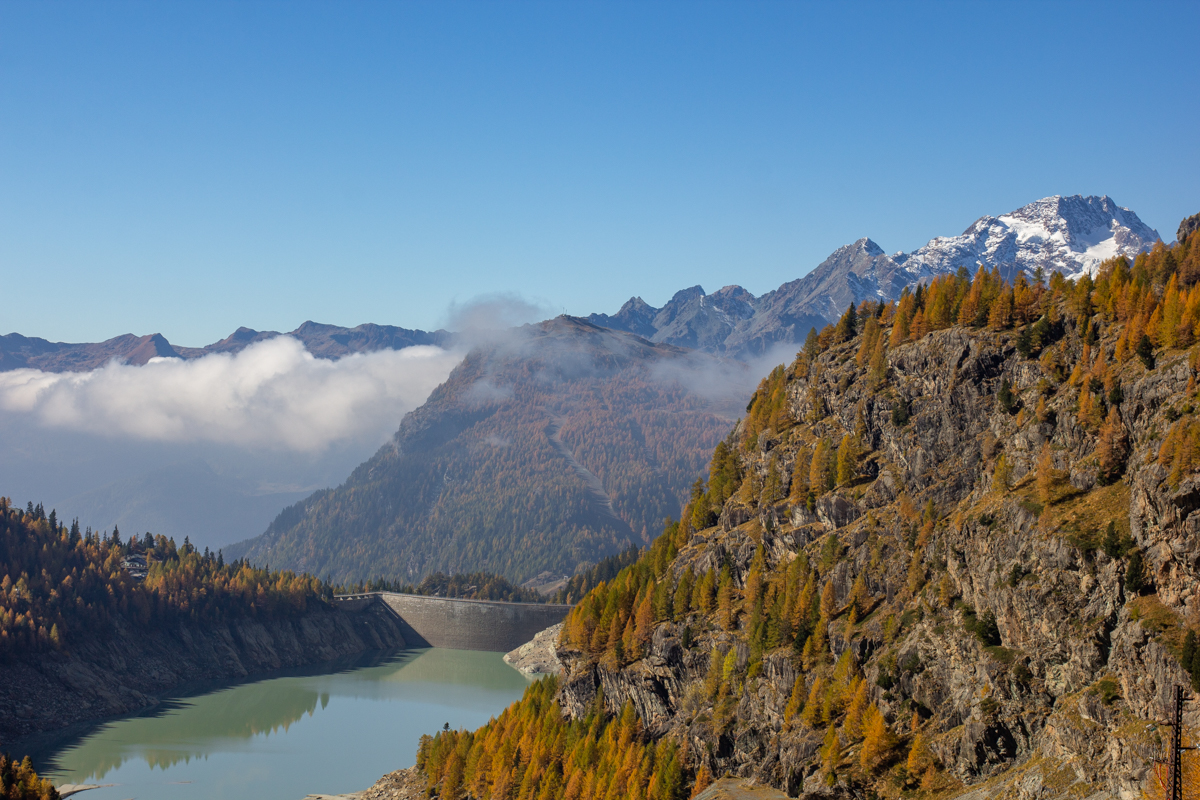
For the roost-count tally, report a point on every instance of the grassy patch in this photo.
(1030, 505)
(1161, 622)
(1082, 518)
(1107, 689)
(1002, 654)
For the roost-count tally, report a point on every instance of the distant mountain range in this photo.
(187, 499)
(1071, 235)
(323, 341)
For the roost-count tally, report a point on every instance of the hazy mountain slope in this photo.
(1071, 235)
(179, 500)
(552, 448)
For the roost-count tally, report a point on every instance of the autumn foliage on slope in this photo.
(532, 752)
(18, 781)
(59, 584)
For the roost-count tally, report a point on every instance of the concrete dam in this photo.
(459, 624)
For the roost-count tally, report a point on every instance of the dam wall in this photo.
(462, 624)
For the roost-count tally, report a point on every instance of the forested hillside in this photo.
(60, 584)
(93, 625)
(18, 781)
(551, 449)
(954, 545)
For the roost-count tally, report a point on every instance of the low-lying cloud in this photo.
(494, 313)
(274, 394)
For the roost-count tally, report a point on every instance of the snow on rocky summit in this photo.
(1071, 235)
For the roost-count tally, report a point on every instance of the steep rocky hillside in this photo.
(952, 551)
(554, 447)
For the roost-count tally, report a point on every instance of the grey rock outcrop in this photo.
(1187, 227)
(539, 655)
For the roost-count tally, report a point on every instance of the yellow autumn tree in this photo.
(1046, 475)
(795, 702)
(847, 460)
(853, 724)
(1002, 476)
(878, 741)
(831, 754)
(1112, 448)
(828, 601)
(704, 779)
(811, 715)
(919, 756)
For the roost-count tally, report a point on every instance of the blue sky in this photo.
(187, 168)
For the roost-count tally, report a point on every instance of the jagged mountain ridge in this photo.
(544, 451)
(1071, 235)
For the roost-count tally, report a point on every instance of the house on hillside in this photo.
(135, 564)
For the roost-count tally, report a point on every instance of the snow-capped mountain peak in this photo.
(1071, 235)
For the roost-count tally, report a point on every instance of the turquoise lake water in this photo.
(326, 730)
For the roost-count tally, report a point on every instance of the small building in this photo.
(136, 565)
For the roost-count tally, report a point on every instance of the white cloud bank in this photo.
(274, 394)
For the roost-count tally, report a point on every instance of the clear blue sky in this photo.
(190, 167)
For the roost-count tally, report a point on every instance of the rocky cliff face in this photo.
(1061, 697)
(131, 668)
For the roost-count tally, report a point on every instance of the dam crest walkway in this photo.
(460, 624)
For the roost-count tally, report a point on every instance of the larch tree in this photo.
(919, 756)
(800, 475)
(878, 740)
(828, 601)
(819, 471)
(847, 460)
(1112, 449)
(1002, 475)
(795, 702)
(1046, 475)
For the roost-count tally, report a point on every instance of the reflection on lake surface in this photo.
(330, 731)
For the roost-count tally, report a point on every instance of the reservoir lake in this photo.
(320, 730)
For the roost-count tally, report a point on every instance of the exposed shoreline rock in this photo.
(538, 656)
(403, 784)
(129, 669)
